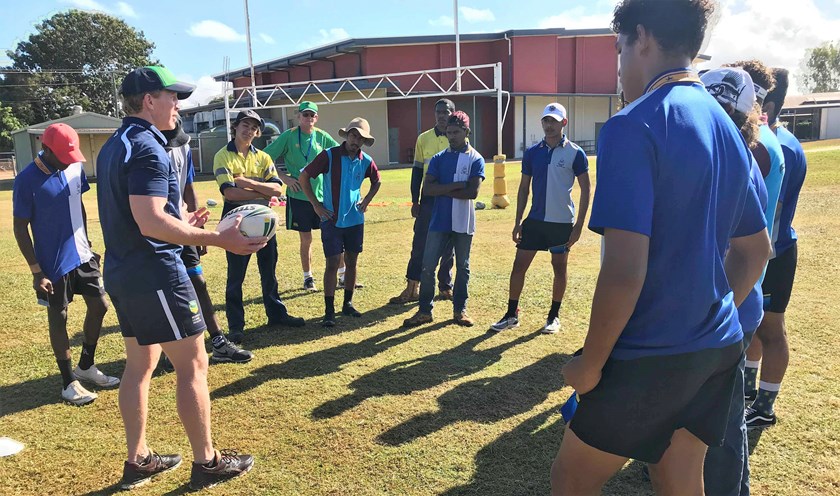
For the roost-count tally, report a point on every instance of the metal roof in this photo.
(354, 45)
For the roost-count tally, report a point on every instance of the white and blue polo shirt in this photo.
(134, 162)
(553, 172)
(53, 205)
(672, 166)
(451, 166)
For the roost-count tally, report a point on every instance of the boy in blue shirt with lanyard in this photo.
(454, 177)
(343, 210)
(673, 194)
(48, 197)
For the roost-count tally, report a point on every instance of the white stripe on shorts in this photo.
(168, 313)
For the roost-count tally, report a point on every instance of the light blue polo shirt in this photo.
(53, 205)
(553, 172)
(795, 169)
(672, 166)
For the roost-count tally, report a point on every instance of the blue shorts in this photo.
(161, 316)
(337, 240)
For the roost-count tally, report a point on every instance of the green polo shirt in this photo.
(297, 149)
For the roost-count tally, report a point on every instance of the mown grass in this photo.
(368, 408)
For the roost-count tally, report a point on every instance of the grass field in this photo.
(368, 408)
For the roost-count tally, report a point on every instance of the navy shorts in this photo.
(538, 235)
(778, 281)
(161, 316)
(638, 404)
(337, 240)
(301, 216)
(85, 280)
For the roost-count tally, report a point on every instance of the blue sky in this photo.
(192, 37)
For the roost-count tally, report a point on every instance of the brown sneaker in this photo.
(138, 474)
(418, 319)
(228, 464)
(410, 294)
(444, 295)
(462, 319)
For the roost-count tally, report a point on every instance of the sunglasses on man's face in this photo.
(308, 114)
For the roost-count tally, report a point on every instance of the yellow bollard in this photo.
(500, 199)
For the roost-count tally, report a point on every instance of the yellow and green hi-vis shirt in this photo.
(255, 165)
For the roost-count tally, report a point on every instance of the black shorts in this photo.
(192, 260)
(85, 280)
(778, 281)
(160, 316)
(639, 404)
(301, 216)
(538, 235)
(337, 240)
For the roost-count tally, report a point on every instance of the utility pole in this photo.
(457, 49)
(250, 57)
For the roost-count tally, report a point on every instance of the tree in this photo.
(821, 68)
(8, 123)
(73, 58)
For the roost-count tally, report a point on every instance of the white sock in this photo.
(307, 275)
(752, 364)
(342, 270)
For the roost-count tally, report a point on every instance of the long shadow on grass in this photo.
(486, 400)
(35, 393)
(324, 362)
(406, 377)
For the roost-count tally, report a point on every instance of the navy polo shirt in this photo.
(553, 172)
(134, 162)
(672, 166)
(52, 202)
(795, 168)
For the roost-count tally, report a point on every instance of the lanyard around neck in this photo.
(671, 77)
(300, 146)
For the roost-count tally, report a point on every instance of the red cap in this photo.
(459, 118)
(64, 143)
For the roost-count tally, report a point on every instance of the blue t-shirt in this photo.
(751, 310)
(553, 172)
(134, 162)
(795, 169)
(673, 167)
(53, 205)
(447, 167)
(773, 177)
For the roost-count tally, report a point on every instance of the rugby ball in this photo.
(257, 221)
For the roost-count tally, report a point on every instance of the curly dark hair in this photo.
(760, 73)
(749, 125)
(677, 25)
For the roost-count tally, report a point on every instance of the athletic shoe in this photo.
(228, 465)
(138, 474)
(758, 420)
(94, 376)
(349, 310)
(340, 284)
(552, 326)
(507, 322)
(418, 319)
(309, 284)
(750, 396)
(288, 321)
(76, 394)
(235, 337)
(328, 320)
(462, 319)
(230, 353)
(444, 295)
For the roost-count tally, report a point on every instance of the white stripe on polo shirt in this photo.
(73, 176)
(463, 211)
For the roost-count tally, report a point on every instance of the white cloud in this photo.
(125, 10)
(328, 36)
(206, 89)
(442, 21)
(577, 18)
(771, 31)
(267, 39)
(215, 30)
(86, 5)
(476, 15)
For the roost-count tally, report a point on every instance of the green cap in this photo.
(310, 106)
(154, 78)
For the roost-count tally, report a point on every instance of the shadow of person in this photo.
(419, 374)
(485, 400)
(324, 362)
